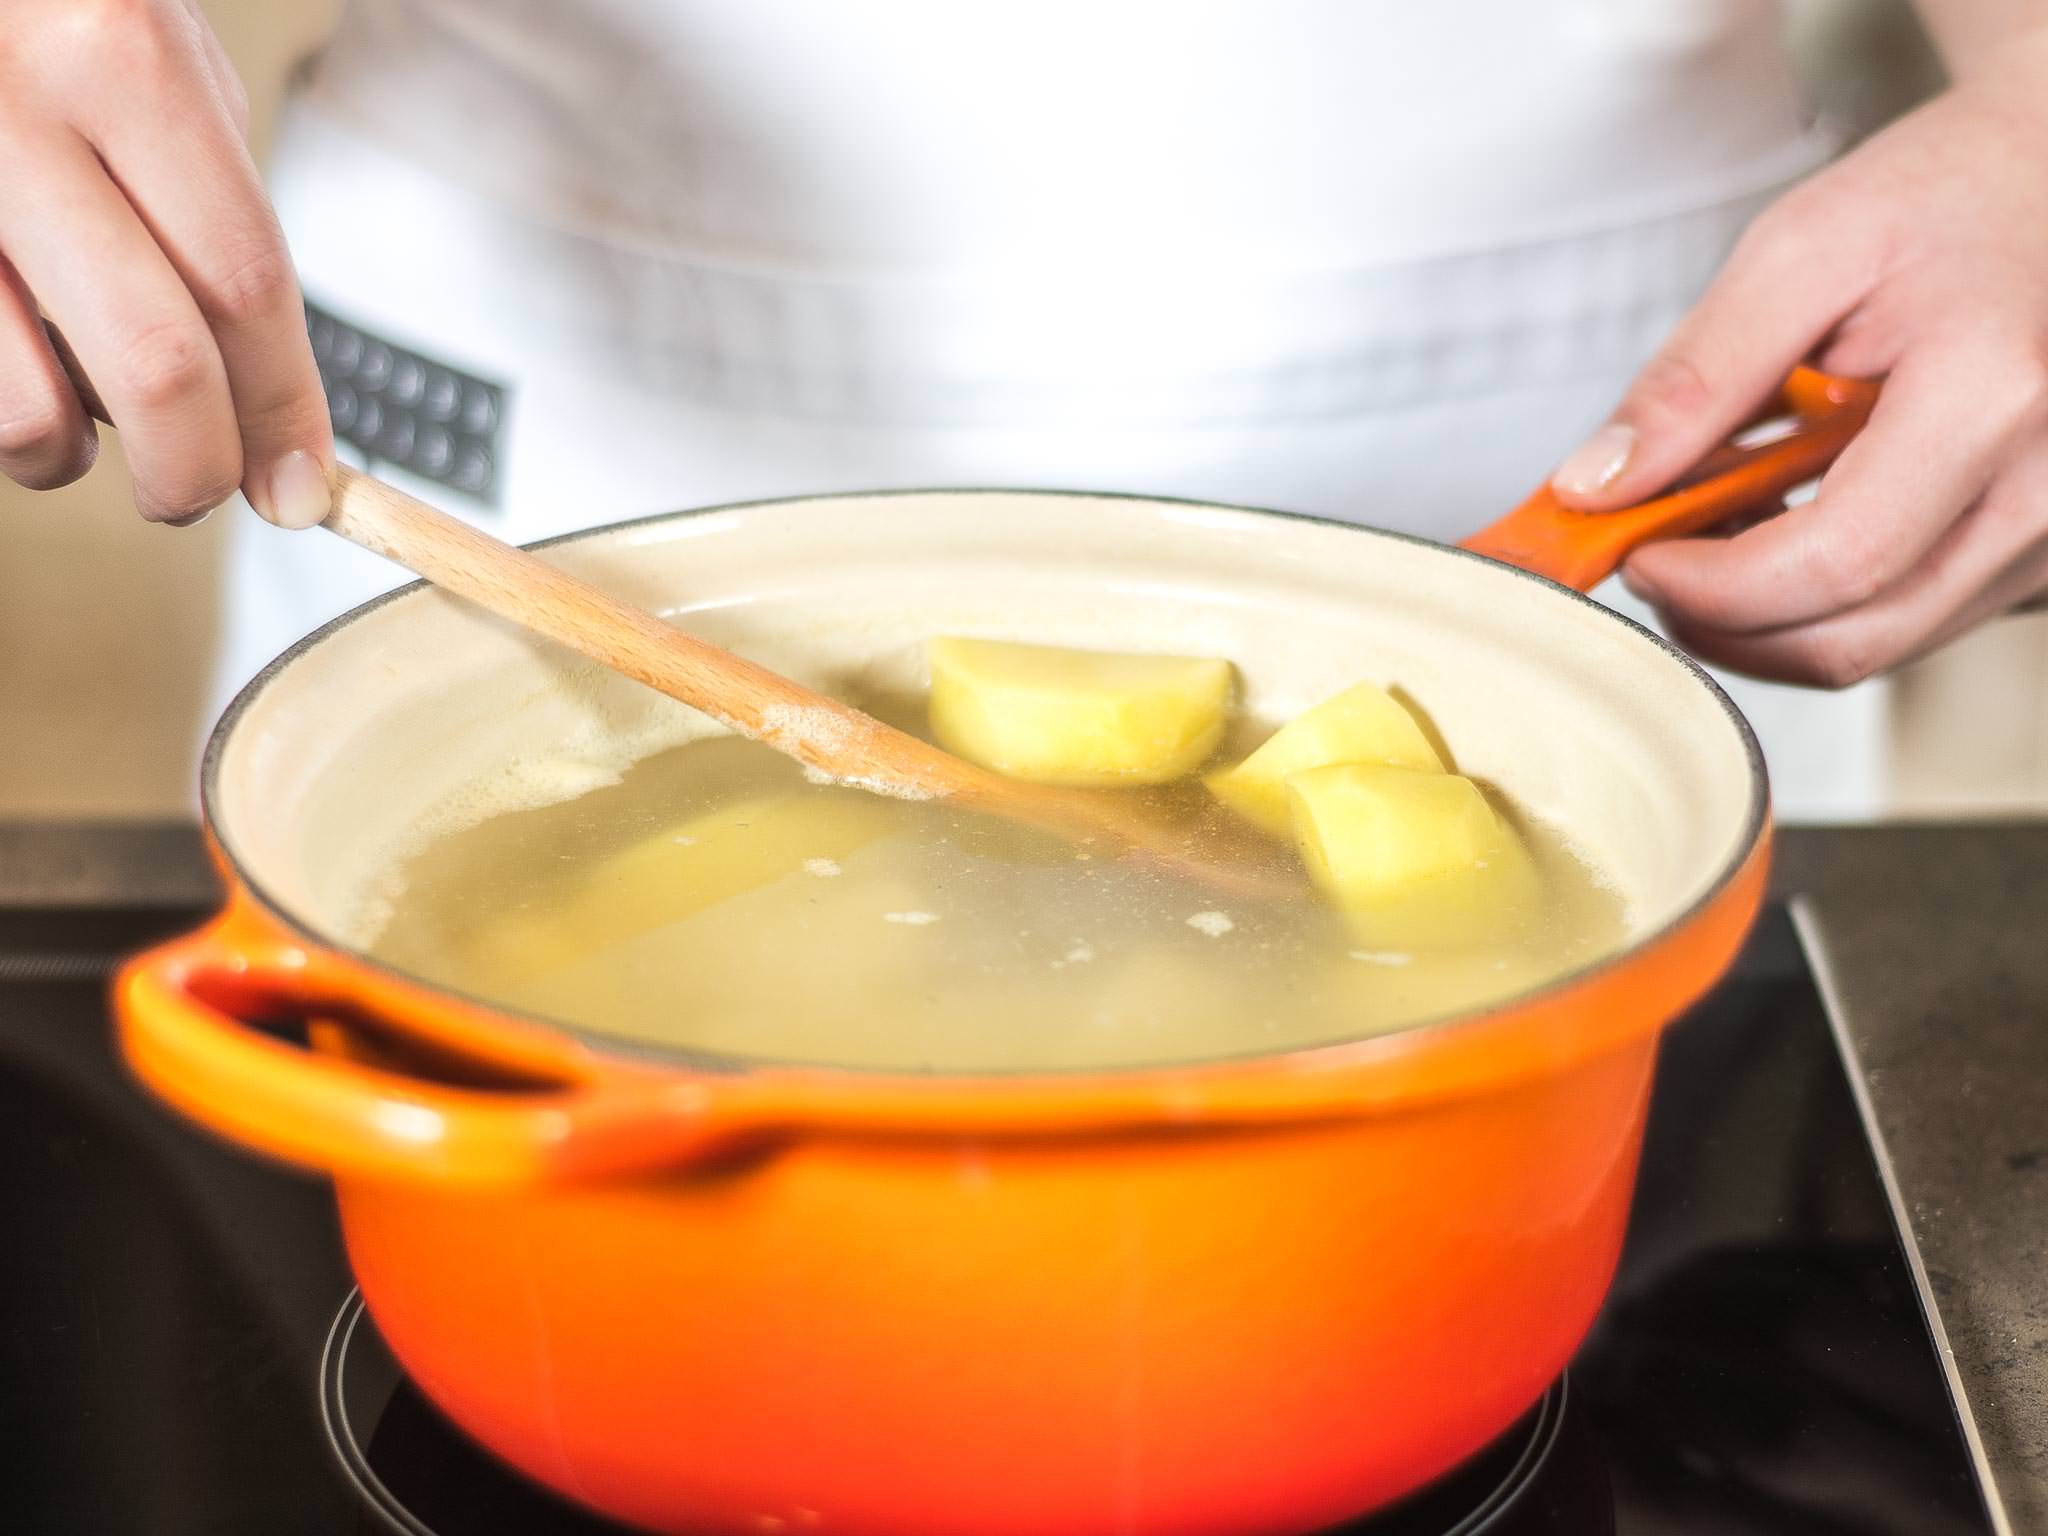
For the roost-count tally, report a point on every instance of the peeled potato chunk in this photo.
(1363, 724)
(1057, 716)
(1416, 859)
(683, 869)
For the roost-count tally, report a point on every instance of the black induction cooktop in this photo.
(181, 1352)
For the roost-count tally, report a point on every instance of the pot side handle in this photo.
(1582, 549)
(186, 1014)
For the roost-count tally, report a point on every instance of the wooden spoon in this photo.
(827, 736)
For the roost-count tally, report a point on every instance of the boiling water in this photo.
(715, 900)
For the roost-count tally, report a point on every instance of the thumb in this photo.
(1780, 292)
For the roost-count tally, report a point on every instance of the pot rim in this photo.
(1342, 1052)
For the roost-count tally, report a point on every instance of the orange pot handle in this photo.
(1582, 549)
(525, 1108)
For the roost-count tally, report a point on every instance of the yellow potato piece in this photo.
(1056, 716)
(817, 972)
(1167, 995)
(1363, 724)
(1393, 990)
(1416, 859)
(681, 871)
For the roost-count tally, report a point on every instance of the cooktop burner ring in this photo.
(1530, 1443)
(341, 1431)
(1543, 1429)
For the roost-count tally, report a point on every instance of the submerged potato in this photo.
(680, 871)
(713, 899)
(1056, 716)
(1415, 858)
(1363, 724)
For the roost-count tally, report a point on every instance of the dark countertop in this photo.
(1936, 940)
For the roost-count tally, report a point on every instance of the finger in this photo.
(46, 439)
(188, 175)
(132, 323)
(2019, 590)
(1853, 647)
(1778, 295)
(227, 80)
(74, 370)
(1941, 427)
(1993, 558)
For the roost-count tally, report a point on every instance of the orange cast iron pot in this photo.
(1262, 1294)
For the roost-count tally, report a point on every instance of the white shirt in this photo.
(989, 209)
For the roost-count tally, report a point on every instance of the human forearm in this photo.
(1972, 33)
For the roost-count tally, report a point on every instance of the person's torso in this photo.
(931, 136)
(1006, 212)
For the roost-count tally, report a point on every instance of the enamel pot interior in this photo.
(418, 712)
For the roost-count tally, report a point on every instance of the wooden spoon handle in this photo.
(820, 732)
(815, 729)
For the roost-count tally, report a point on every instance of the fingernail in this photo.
(298, 493)
(190, 522)
(1595, 463)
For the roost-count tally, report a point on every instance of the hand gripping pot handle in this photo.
(474, 1106)
(1818, 414)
